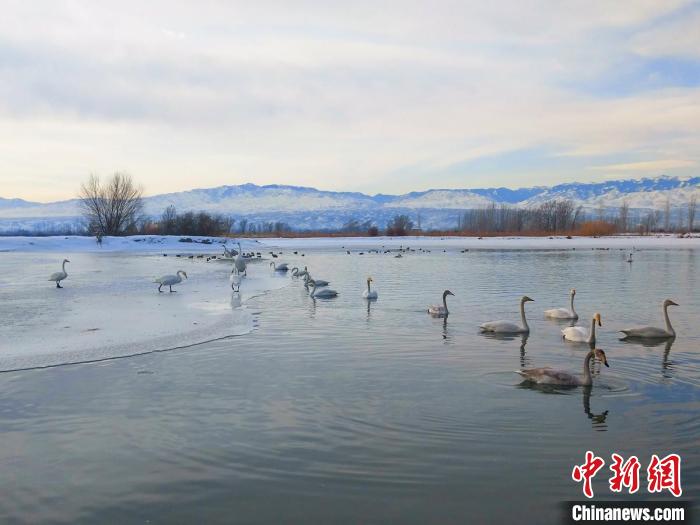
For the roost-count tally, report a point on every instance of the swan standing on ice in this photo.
(57, 277)
(563, 313)
(549, 376)
(652, 332)
(506, 327)
(282, 267)
(235, 280)
(170, 280)
(239, 263)
(369, 293)
(437, 310)
(326, 293)
(578, 334)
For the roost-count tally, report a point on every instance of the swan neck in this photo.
(591, 336)
(572, 305)
(444, 301)
(368, 287)
(669, 328)
(522, 316)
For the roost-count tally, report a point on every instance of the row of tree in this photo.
(115, 207)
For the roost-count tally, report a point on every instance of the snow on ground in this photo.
(146, 244)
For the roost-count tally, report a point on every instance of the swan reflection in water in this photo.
(524, 361)
(236, 301)
(667, 365)
(598, 420)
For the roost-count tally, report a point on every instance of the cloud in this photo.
(657, 166)
(385, 96)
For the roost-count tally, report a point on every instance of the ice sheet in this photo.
(110, 307)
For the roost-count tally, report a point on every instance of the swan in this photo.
(320, 283)
(579, 334)
(549, 376)
(170, 280)
(235, 280)
(300, 273)
(369, 293)
(440, 310)
(326, 293)
(282, 267)
(239, 263)
(57, 277)
(629, 259)
(563, 313)
(506, 327)
(652, 332)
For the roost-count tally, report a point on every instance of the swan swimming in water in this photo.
(563, 313)
(578, 334)
(170, 280)
(300, 273)
(320, 283)
(282, 267)
(652, 332)
(57, 277)
(437, 310)
(369, 293)
(325, 293)
(549, 376)
(506, 327)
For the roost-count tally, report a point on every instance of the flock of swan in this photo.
(579, 334)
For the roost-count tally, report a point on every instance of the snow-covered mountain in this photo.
(309, 208)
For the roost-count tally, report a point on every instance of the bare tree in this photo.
(692, 204)
(111, 208)
(624, 214)
(168, 221)
(399, 225)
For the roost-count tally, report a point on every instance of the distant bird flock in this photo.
(318, 289)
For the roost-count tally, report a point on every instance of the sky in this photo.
(371, 96)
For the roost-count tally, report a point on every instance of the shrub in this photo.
(596, 228)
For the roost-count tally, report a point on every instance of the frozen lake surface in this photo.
(334, 410)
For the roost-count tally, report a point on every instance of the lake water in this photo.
(340, 411)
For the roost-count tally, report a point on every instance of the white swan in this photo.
(282, 267)
(369, 293)
(235, 280)
(300, 273)
(320, 283)
(170, 280)
(506, 327)
(239, 263)
(579, 334)
(652, 332)
(326, 293)
(57, 277)
(563, 313)
(549, 376)
(440, 310)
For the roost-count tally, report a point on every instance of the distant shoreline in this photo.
(176, 244)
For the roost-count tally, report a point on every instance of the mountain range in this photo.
(308, 208)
